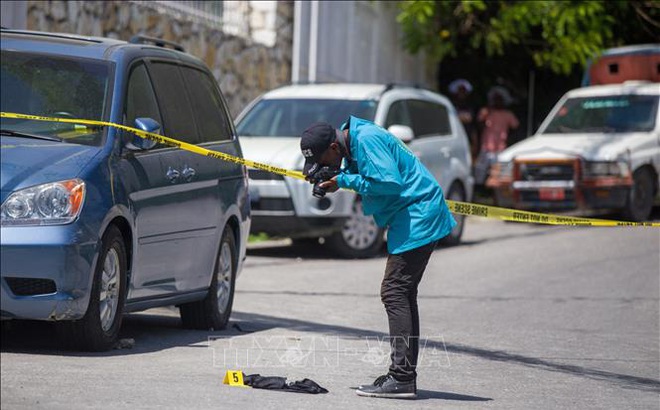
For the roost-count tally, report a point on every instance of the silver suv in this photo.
(270, 129)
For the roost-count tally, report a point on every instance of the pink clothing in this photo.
(497, 123)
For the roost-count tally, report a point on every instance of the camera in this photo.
(322, 175)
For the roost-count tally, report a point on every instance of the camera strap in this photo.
(341, 139)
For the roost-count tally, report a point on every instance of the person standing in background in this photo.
(495, 121)
(460, 91)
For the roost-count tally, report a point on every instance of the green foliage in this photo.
(555, 34)
(260, 237)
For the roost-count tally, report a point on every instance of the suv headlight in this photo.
(55, 203)
(604, 169)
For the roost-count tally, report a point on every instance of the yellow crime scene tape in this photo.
(460, 208)
(163, 140)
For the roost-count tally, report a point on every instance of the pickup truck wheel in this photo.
(214, 310)
(359, 237)
(456, 193)
(640, 198)
(98, 330)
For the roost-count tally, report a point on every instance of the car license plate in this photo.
(552, 194)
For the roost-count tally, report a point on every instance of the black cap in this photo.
(314, 141)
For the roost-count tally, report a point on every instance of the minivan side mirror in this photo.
(402, 132)
(141, 144)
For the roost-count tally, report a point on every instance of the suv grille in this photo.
(546, 172)
(260, 174)
(31, 286)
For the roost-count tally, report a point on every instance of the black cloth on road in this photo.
(258, 381)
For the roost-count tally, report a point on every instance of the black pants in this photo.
(398, 292)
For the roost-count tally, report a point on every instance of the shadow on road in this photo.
(252, 322)
(151, 332)
(310, 251)
(160, 332)
(307, 250)
(439, 395)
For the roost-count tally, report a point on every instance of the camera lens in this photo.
(317, 191)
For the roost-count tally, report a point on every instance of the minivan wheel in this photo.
(359, 237)
(214, 310)
(640, 199)
(456, 193)
(98, 330)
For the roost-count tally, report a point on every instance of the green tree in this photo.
(558, 35)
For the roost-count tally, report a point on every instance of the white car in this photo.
(270, 129)
(599, 148)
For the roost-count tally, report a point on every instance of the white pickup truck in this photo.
(599, 148)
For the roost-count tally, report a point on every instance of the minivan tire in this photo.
(92, 333)
(214, 310)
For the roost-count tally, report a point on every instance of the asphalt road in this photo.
(518, 317)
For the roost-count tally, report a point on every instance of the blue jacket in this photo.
(396, 188)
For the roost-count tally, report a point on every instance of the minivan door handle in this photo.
(172, 174)
(188, 173)
(445, 151)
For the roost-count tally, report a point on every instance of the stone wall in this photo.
(244, 69)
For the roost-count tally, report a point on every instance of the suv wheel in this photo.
(360, 237)
(640, 198)
(99, 328)
(456, 193)
(214, 310)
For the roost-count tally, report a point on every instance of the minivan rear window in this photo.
(54, 86)
(172, 98)
(290, 117)
(212, 122)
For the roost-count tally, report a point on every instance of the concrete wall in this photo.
(244, 68)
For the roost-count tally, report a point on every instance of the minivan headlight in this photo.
(55, 203)
(604, 169)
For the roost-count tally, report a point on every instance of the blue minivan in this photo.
(97, 222)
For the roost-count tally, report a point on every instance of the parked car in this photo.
(599, 148)
(270, 130)
(97, 222)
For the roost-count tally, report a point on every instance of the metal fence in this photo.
(232, 17)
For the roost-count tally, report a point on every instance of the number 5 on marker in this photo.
(234, 378)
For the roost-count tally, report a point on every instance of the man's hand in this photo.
(330, 185)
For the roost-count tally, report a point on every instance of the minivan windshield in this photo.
(605, 114)
(54, 86)
(290, 117)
